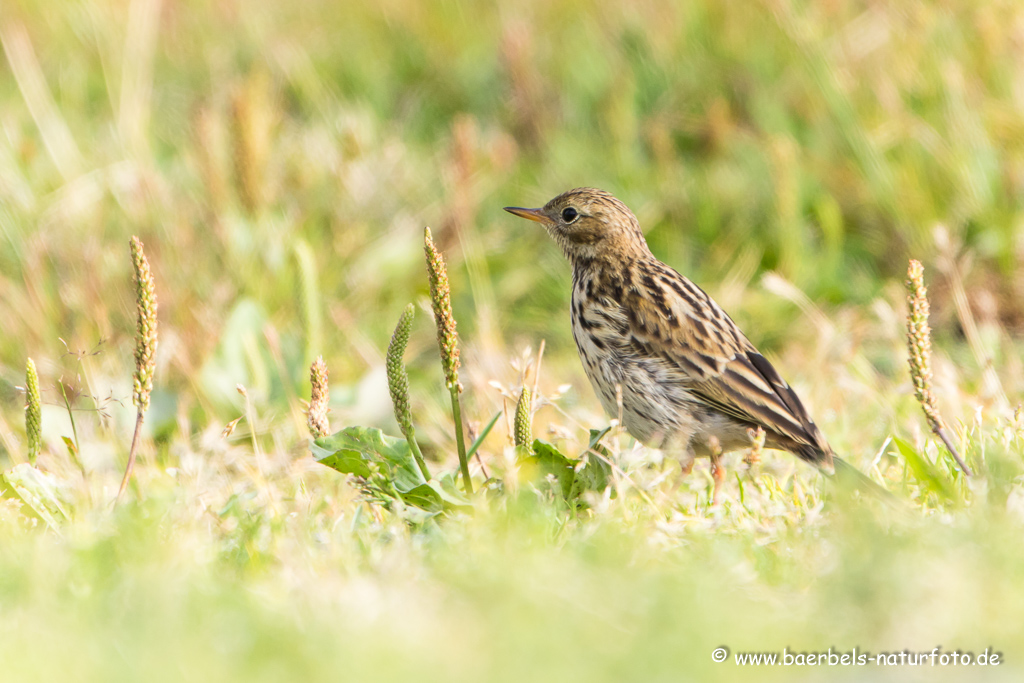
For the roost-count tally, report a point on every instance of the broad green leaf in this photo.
(435, 495)
(552, 461)
(449, 492)
(589, 473)
(596, 472)
(330, 451)
(595, 438)
(354, 449)
(424, 496)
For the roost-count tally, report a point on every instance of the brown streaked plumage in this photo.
(692, 383)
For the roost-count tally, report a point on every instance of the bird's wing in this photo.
(672, 318)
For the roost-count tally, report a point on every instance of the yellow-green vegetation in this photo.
(280, 162)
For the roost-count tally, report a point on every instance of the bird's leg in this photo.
(717, 468)
(686, 458)
(718, 474)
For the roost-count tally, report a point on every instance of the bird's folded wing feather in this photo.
(673, 318)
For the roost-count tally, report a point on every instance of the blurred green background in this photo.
(280, 160)
(270, 152)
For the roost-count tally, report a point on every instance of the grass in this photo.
(280, 164)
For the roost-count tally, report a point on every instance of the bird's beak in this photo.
(529, 214)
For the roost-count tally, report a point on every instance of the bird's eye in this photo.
(569, 214)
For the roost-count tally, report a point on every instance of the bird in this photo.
(662, 354)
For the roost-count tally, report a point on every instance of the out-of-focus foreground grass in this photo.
(279, 161)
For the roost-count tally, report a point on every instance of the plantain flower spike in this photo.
(398, 379)
(316, 418)
(919, 345)
(145, 329)
(440, 298)
(33, 412)
(398, 384)
(448, 343)
(145, 351)
(522, 436)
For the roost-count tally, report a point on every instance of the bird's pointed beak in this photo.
(529, 214)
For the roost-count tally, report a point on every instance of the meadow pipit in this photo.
(691, 383)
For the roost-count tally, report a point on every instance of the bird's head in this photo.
(588, 224)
